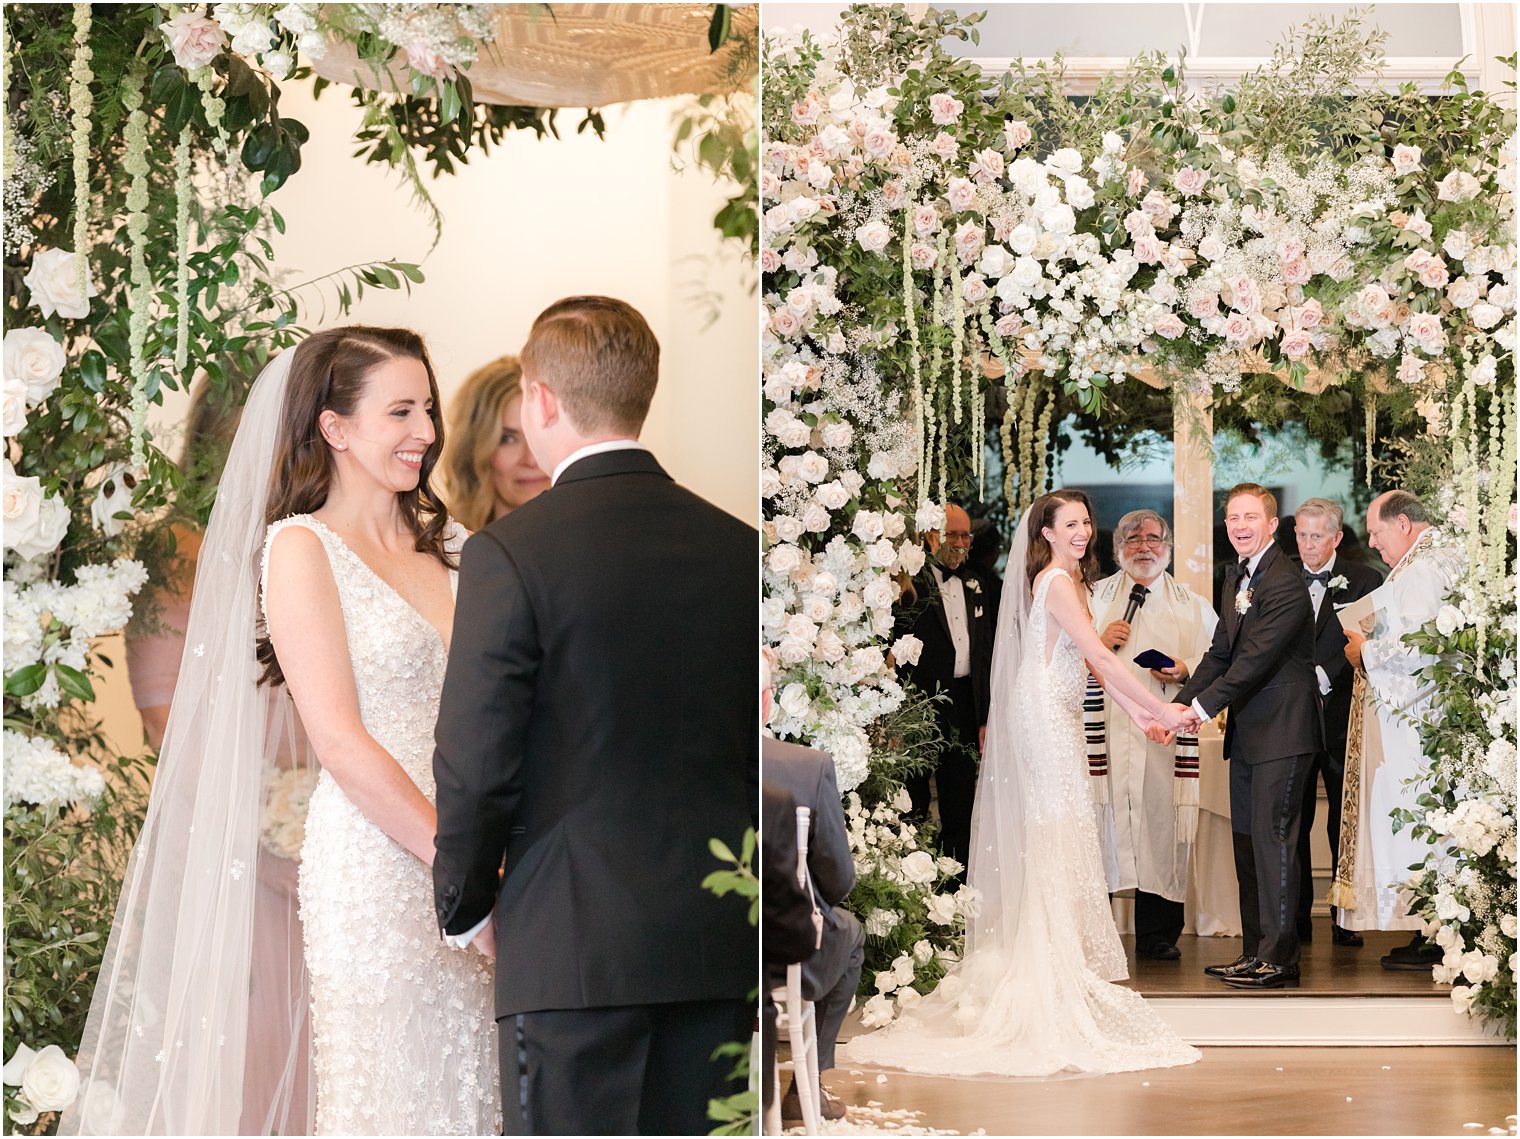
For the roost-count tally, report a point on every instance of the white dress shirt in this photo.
(952, 594)
(595, 449)
(1252, 564)
(1317, 591)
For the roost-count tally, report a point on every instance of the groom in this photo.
(1260, 667)
(596, 730)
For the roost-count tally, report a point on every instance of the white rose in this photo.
(881, 554)
(1462, 293)
(1457, 186)
(879, 595)
(794, 701)
(833, 495)
(907, 997)
(34, 523)
(54, 284)
(928, 517)
(910, 558)
(783, 559)
(868, 526)
(1457, 244)
(1066, 160)
(14, 408)
(815, 519)
(787, 527)
(50, 1082)
(941, 909)
(770, 483)
(919, 867)
(254, 38)
(906, 649)
(876, 1012)
(1486, 371)
(1079, 193)
(279, 64)
(1485, 316)
(1211, 248)
(873, 236)
(812, 467)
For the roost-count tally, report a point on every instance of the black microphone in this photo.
(1137, 598)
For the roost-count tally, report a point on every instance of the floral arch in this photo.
(950, 254)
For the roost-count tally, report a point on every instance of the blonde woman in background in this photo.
(487, 468)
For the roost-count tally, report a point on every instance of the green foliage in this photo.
(736, 1114)
(62, 878)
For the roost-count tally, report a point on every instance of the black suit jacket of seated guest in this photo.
(1260, 666)
(787, 933)
(1330, 646)
(597, 729)
(925, 618)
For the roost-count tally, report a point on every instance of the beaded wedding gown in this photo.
(403, 1025)
(1033, 995)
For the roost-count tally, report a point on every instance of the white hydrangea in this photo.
(39, 775)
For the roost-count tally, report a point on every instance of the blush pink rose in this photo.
(925, 219)
(194, 39)
(923, 255)
(1296, 344)
(1170, 326)
(961, 195)
(1296, 272)
(945, 108)
(1189, 181)
(1308, 315)
(1237, 328)
(1016, 133)
(1203, 305)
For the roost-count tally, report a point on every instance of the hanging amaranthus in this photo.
(1005, 435)
(1501, 496)
(1042, 440)
(957, 341)
(999, 348)
(915, 354)
(81, 107)
(212, 104)
(182, 192)
(944, 432)
(1371, 430)
(135, 163)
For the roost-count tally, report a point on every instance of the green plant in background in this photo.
(736, 1114)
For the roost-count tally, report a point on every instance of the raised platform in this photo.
(1345, 998)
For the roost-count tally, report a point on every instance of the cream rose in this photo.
(1211, 247)
(1190, 181)
(987, 166)
(879, 142)
(944, 146)
(1458, 186)
(1406, 159)
(968, 241)
(961, 194)
(194, 39)
(945, 108)
(1462, 293)
(54, 284)
(1170, 326)
(812, 467)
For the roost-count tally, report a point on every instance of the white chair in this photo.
(797, 1017)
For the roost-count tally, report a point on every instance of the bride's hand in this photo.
(485, 941)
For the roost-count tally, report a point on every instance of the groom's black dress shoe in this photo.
(1158, 951)
(1239, 965)
(1265, 975)
(791, 1106)
(1345, 936)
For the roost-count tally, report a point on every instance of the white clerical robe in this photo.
(1394, 703)
(1142, 846)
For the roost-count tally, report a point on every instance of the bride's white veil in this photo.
(190, 1030)
(996, 871)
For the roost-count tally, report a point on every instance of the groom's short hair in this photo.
(1268, 499)
(599, 357)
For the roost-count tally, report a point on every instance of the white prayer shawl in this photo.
(1142, 848)
(1394, 704)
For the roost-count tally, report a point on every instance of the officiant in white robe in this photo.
(1149, 789)
(1390, 701)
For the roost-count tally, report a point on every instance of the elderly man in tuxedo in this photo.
(1260, 666)
(1333, 581)
(955, 623)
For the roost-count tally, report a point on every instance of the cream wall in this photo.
(524, 226)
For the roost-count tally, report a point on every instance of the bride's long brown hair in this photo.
(330, 371)
(1043, 514)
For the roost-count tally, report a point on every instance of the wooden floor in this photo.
(1231, 1091)
(1325, 969)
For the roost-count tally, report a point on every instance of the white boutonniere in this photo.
(1339, 581)
(1243, 601)
(973, 585)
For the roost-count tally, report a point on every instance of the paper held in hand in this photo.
(1360, 615)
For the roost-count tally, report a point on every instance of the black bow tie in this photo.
(1243, 568)
(958, 572)
(1323, 576)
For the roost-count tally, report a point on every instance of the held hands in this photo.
(1116, 635)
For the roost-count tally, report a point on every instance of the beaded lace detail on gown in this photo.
(403, 1026)
(1036, 999)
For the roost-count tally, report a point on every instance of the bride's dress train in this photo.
(1033, 996)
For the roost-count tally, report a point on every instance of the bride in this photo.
(325, 527)
(1033, 996)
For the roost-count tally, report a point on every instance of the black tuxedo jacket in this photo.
(927, 621)
(1330, 646)
(786, 909)
(1261, 667)
(808, 779)
(597, 728)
